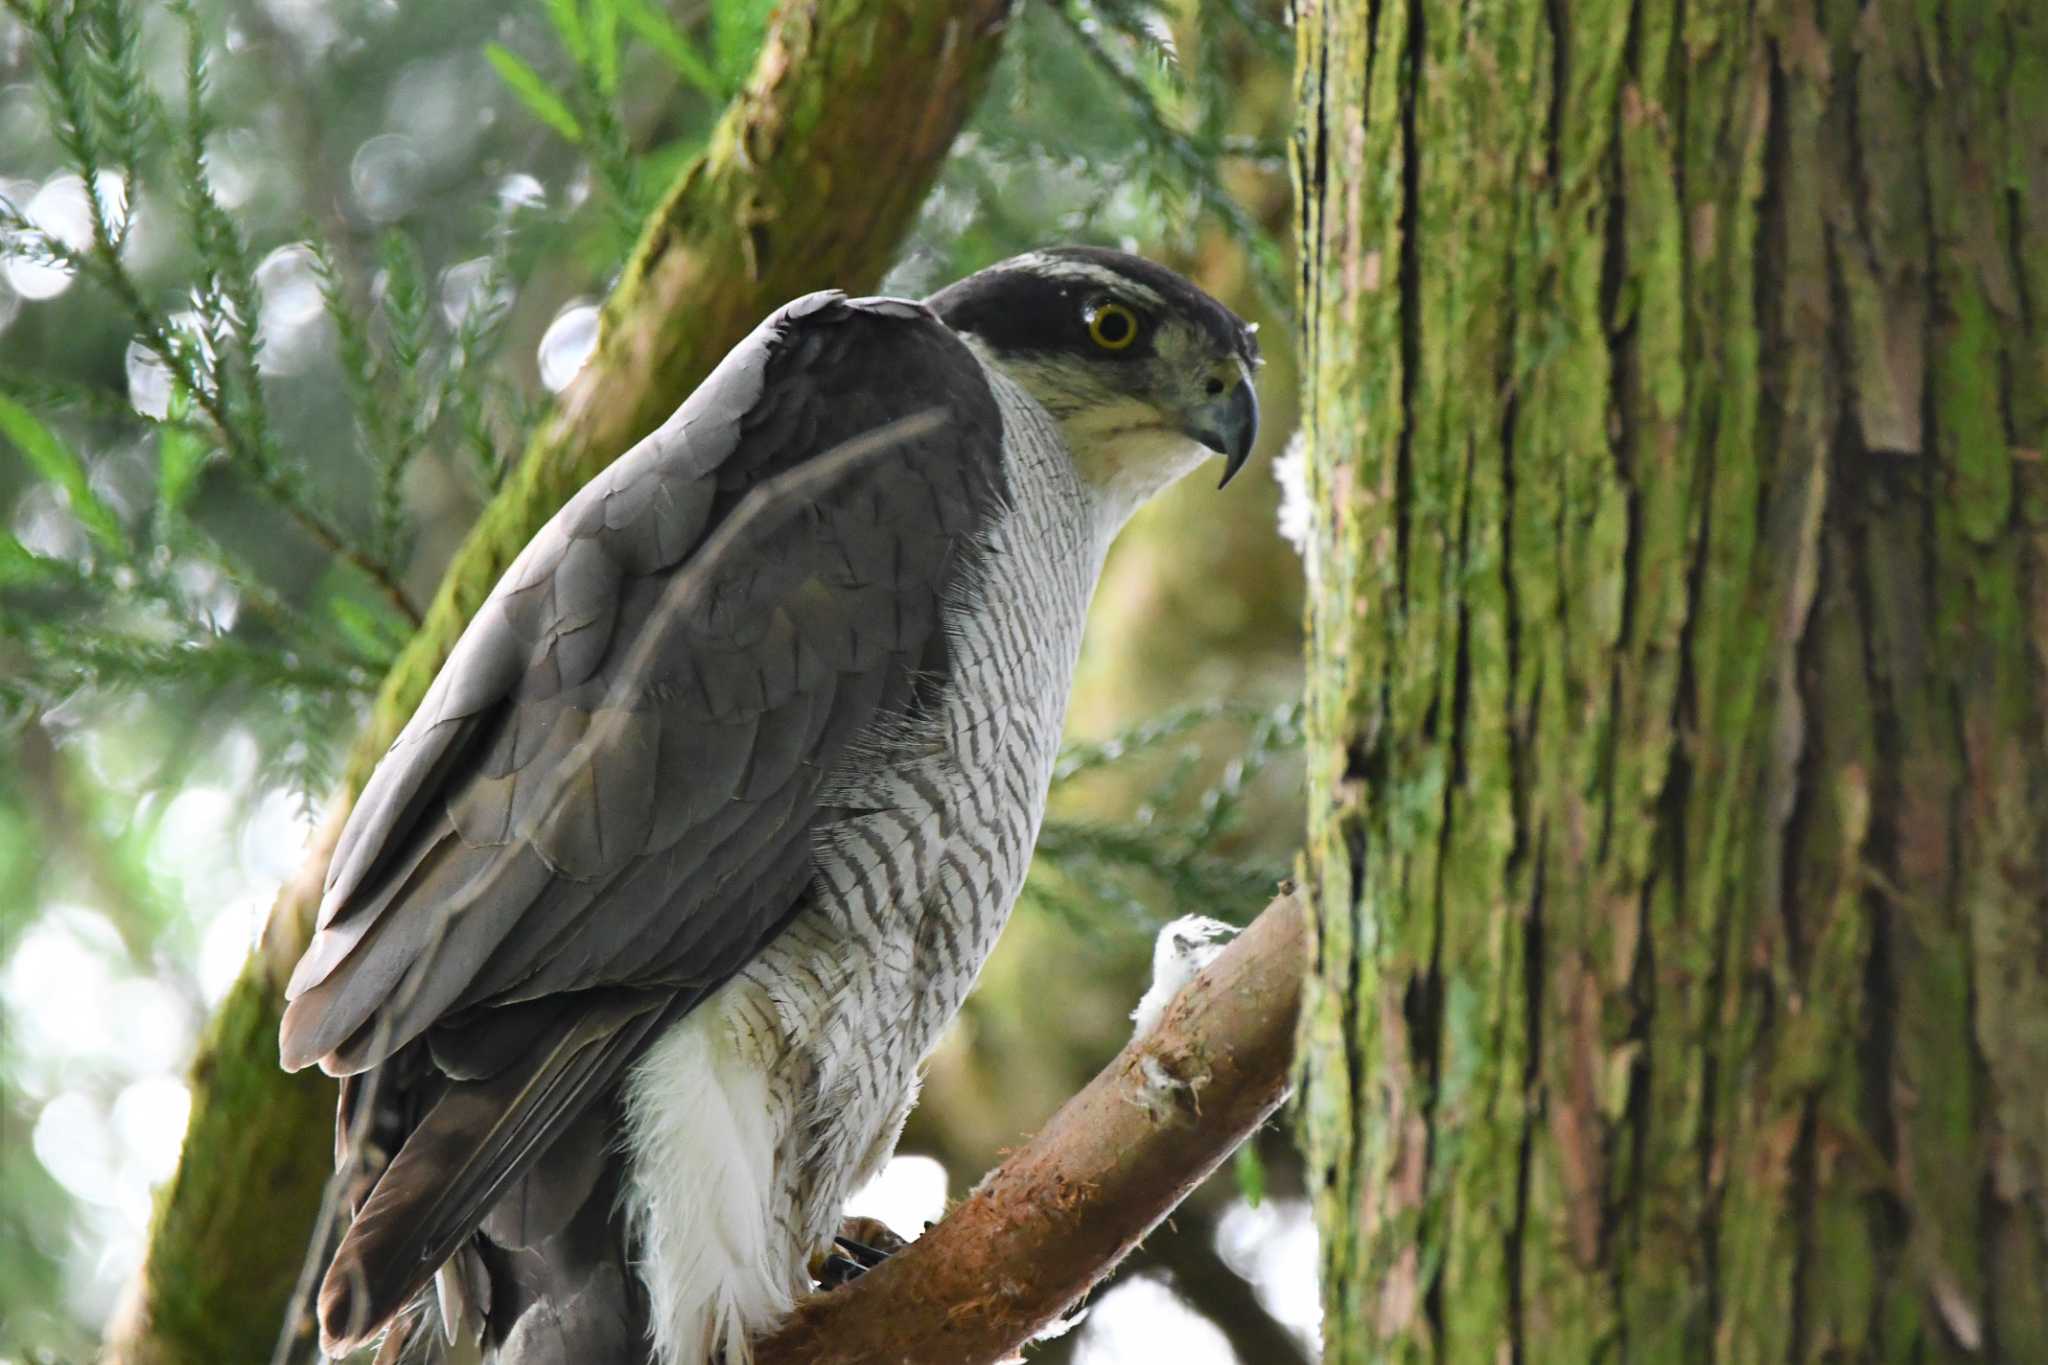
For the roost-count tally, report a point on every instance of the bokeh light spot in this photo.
(567, 343)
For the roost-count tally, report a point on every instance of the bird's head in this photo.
(1145, 372)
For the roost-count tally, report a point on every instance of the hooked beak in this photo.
(1229, 423)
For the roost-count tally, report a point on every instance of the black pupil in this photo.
(1114, 324)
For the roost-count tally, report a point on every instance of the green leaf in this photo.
(1251, 1172)
(59, 464)
(659, 32)
(180, 453)
(604, 45)
(543, 103)
(739, 26)
(18, 564)
(374, 634)
(659, 166)
(568, 22)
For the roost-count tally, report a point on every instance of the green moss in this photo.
(232, 1227)
(1675, 615)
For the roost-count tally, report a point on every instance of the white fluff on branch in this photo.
(1182, 949)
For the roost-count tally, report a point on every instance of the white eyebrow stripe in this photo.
(1087, 272)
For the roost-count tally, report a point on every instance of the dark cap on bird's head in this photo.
(1120, 349)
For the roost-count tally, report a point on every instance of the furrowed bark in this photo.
(1059, 1214)
(810, 182)
(1678, 386)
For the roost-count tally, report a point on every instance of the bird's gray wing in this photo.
(604, 804)
(614, 779)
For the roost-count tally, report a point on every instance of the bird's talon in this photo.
(865, 1242)
(837, 1271)
(868, 1256)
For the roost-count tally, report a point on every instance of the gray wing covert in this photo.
(613, 780)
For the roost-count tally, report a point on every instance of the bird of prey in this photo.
(632, 947)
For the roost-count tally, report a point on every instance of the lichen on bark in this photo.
(1675, 377)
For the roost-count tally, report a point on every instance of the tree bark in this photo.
(785, 200)
(1677, 389)
(1058, 1215)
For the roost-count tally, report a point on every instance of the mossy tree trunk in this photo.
(785, 200)
(1678, 387)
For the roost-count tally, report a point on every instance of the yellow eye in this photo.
(1113, 326)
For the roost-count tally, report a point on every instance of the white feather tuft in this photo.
(1297, 511)
(703, 1138)
(1182, 949)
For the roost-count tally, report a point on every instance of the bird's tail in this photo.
(547, 1279)
(501, 1199)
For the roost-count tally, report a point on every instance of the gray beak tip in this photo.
(1229, 424)
(1233, 460)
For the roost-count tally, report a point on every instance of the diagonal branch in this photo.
(1058, 1215)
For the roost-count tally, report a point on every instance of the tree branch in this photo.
(1059, 1214)
(785, 200)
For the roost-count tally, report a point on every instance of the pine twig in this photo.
(1192, 161)
(241, 427)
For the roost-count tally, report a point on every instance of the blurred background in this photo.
(413, 212)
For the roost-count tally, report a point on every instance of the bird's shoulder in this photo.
(648, 693)
(822, 370)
